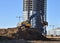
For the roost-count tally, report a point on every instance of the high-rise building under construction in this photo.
(35, 11)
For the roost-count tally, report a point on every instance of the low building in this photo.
(54, 32)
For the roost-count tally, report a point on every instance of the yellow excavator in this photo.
(28, 25)
(25, 24)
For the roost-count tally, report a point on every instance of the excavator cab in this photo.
(26, 24)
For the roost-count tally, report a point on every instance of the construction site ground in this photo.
(15, 35)
(27, 41)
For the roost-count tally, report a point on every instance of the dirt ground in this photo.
(14, 41)
(44, 41)
(24, 41)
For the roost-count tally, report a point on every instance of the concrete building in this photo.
(36, 9)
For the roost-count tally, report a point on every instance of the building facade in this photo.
(54, 32)
(36, 9)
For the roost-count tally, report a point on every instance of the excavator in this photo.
(26, 24)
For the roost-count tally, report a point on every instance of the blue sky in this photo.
(9, 9)
(53, 13)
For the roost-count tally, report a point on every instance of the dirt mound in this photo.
(8, 32)
(18, 33)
